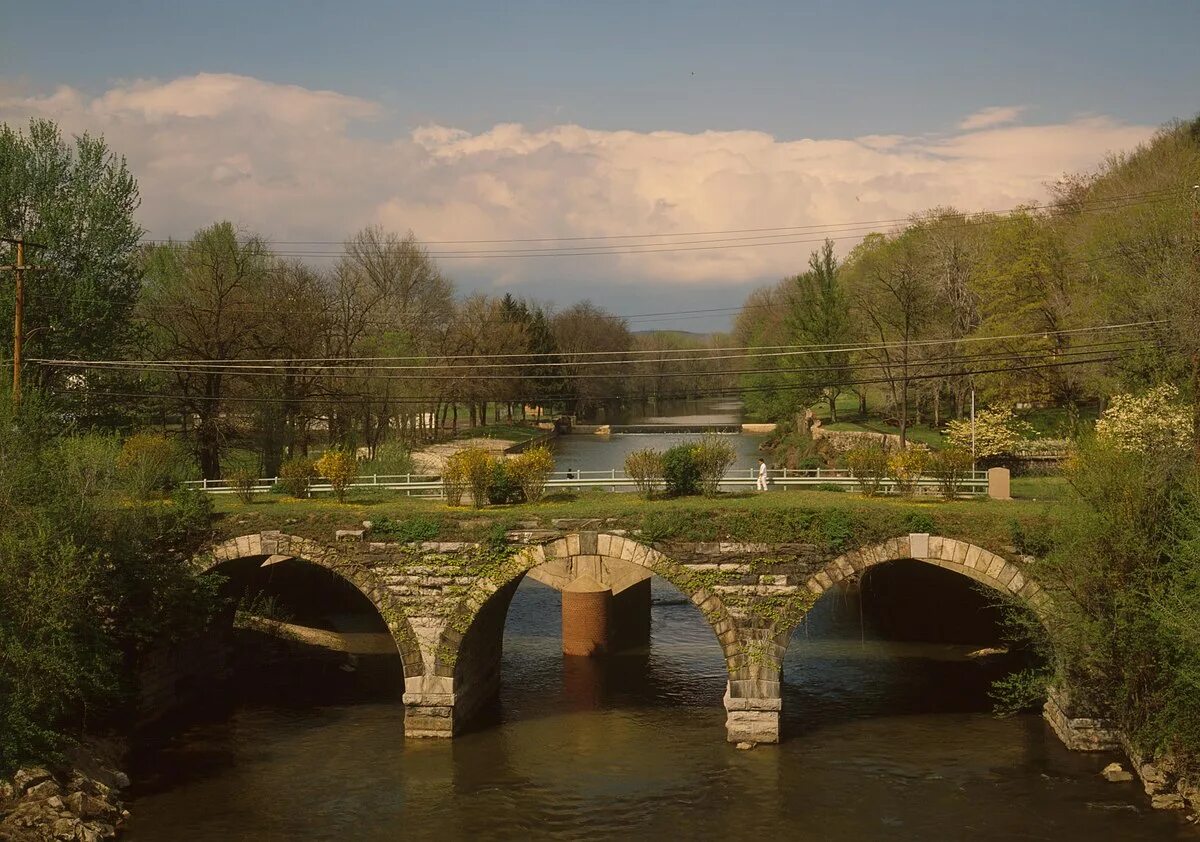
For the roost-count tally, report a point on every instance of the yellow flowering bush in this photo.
(906, 467)
(1156, 421)
(997, 432)
(340, 468)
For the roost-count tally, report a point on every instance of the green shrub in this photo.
(340, 468)
(713, 455)
(531, 470)
(87, 465)
(828, 486)
(244, 483)
(454, 481)
(950, 468)
(150, 465)
(471, 468)
(681, 473)
(392, 458)
(1036, 540)
(645, 467)
(869, 467)
(919, 522)
(410, 531)
(906, 467)
(503, 487)
(296, 475)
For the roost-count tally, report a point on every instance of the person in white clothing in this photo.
(762, 475)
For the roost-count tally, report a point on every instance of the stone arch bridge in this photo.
(445, 603)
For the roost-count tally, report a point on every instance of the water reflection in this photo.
(886, 740)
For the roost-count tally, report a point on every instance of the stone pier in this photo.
(586, 615)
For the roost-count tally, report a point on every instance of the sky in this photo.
(304, 121)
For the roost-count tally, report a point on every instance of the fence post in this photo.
(204, 484)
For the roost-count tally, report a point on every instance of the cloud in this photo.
(996, 115)
(293, 164)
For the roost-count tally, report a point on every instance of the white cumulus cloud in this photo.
(996, 115)
(294, 164)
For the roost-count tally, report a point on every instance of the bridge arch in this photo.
(469, 648)
(961, 557)
(278, 546)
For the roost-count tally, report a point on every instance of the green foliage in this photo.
(88, 582)
(681, 472)
(408, 531)
(950, 468)
(919, 522)
(340, 468)
(713, 456)
(997, 433)
(296, 475)
(869, 467)
(244, 482)
(392, 458)
(150, 465)
(1124, 577)
(1155, 421)
(475, 469)
(454, 480)
(1020, 692)
(78, 199)
(906, 467)
(531, 470)
(646, 468)
(503, 487)
(1035, 540)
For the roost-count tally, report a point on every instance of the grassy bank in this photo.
(839, 520)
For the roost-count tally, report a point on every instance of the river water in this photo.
(883, 739)
(587, 452)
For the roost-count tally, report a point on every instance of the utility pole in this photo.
(18, 270)
(1195, 350)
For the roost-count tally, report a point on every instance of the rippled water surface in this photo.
(883, 741)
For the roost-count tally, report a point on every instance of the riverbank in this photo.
(77, 800)
(497, 441)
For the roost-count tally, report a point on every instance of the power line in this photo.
(556, 357)
(718, 392)
(467, 372)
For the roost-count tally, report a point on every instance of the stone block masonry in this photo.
(445, 603)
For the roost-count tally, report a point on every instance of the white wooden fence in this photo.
(974, 483)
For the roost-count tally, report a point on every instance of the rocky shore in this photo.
(80, 803)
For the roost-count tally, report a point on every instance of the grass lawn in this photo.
(1040, 488)
(778, 516)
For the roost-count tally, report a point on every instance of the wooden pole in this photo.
(18, 319)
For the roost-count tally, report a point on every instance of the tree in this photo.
(820, 315)
(77, 200)
(896, 304)
(389, 298)
(200, 303)
(580, 331)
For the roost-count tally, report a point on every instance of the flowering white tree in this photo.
(1155, 421)
(997, 431)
